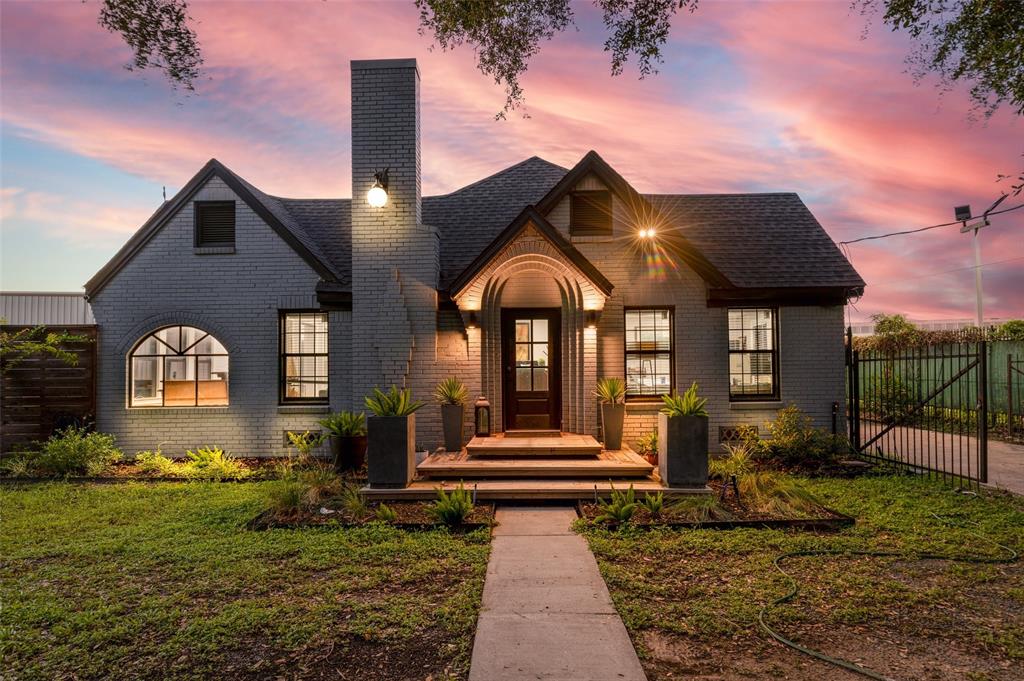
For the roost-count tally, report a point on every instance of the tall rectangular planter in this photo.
(390, 454)
(683, 450)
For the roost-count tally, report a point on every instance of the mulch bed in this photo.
(410, 516)
(824, 519)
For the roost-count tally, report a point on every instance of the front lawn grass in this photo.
(690, 598)
(162, 581)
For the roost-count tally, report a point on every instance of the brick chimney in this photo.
(394, 256)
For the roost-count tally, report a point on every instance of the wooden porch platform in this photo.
(618, 464)
(542, 445)
(527, 489)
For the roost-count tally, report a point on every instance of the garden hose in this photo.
(795, 589)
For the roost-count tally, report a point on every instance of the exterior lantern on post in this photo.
(482, 417)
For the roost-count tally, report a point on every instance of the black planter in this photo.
(612, 418)
(390, 455)
(452, 418)
(349, 452)
(683, 450)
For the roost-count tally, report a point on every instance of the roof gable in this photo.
(267, 207)
(640, 207)
(530, 216)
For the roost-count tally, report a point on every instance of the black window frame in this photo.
(197, 236)
(775, 395)
(575, 230)
(175, 352)
(282, 387)
(671, 351)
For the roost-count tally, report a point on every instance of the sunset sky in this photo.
(768, 96)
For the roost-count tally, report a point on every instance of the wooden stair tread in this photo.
(623, 463)
(527, 489)
(565, 444)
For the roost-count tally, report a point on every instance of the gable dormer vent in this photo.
(590, 213)
(215, 223)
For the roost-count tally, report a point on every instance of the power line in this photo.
(958, 269)
(924, 229)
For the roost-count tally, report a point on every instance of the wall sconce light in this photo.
(647, 233)
(472, 321)
(591, 317)
(378, 194)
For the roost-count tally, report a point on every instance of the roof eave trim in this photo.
(169, 209)
(530, 214)
(790, 296)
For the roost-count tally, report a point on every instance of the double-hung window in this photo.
(304, 356)
(753, 353)
(649, 348)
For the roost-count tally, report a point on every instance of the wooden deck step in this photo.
(532, 433)
(565, 444)
(526, 489)
(620, 464)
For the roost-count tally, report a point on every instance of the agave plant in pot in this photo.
(451, 394)
(611, 393)
(391, 431)
(683, 440)
(347, 430)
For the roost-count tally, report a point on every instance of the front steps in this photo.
(604, 465)
(529, 489)
(521, 444)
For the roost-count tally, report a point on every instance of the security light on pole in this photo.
(963, 214)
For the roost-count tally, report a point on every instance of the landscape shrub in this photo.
(775, 493)
(386, 514)
(72, 451)
(305, 443)
(452, 508)
(698, 509)
(654, 503)
(794, 444)
(619, 509)
(394, 402)
(738, 461)
(213, 463)
(155, 463)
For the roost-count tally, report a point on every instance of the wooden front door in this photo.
(530, 355)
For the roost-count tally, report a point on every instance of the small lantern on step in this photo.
(482, 414)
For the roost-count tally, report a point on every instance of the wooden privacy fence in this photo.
(41, 394)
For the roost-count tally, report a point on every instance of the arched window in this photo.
(178, 366)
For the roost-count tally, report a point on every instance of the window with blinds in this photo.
(215, 223)
(590, 213)
(304, 354)
(649, 350)
(753, 354)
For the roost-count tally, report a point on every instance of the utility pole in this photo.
(963, 214)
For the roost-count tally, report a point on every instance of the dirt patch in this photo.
(668, 656)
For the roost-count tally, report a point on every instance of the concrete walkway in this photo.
(546, 611)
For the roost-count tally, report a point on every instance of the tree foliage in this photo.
(160, 37)
(17, 346)
(972, 41)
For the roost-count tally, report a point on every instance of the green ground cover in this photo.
(163, 581)
(690, 598)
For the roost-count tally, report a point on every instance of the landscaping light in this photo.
(482, 420)
(378, 194)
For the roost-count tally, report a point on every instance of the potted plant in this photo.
(347, 431)
(452, 394)
(611, 392)
(391, 432)
(683, 440)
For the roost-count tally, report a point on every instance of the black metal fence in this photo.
(1014, 398)
(924, 407)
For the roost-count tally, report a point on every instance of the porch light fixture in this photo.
(482, 417)
(591, 317)
(647, 233)
(378, 194)
(471, 321)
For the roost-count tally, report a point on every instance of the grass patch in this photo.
(690, 598)
(161, 580)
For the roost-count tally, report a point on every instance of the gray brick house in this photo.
(233, 316)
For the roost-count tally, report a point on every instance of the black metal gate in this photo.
(925, 408)
(1014, 398)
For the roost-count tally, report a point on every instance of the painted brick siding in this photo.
(811, 354)
(236, 297)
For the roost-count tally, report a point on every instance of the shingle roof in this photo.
(759, 240)
(754, 240)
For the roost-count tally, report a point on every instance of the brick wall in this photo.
(235, 297)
